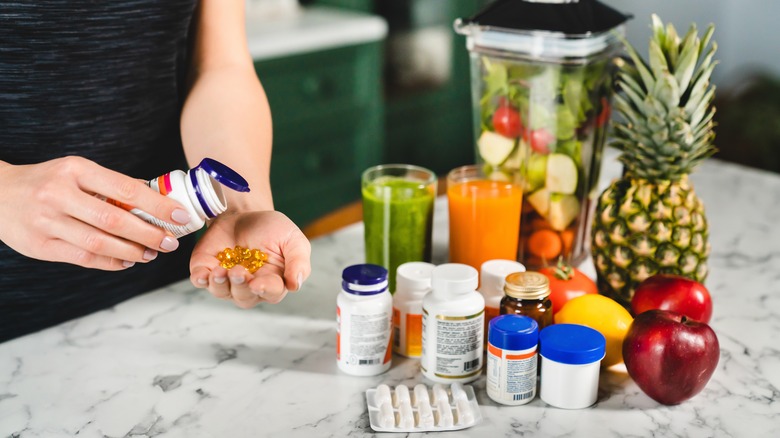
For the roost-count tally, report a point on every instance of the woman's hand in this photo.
(50, 212)
(288, 264)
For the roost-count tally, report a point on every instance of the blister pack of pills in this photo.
(422, 409)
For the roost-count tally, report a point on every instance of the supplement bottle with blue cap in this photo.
(512, 359)
(199, 191)
(364, 310)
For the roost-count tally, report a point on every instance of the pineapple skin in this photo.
(643, 228)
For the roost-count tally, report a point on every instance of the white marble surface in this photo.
(310, 29)
(179, 363)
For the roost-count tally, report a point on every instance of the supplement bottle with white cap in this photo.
(453, 325)
(412, 282)
(491, 284)
(364, 311)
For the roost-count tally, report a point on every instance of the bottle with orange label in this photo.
(491, 284)
(413, 281)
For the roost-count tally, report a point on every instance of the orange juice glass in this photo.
(484, 216)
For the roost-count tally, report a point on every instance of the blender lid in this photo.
(544, 28)
(570, 17)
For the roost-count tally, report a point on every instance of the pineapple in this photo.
(650, 220)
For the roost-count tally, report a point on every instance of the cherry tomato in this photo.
(540, 140)
(567, 283)
(506, 121)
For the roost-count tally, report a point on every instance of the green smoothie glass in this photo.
(398, 215)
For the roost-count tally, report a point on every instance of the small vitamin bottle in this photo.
(491, 284)
(512, 359)
(528, 293)
(364, 309)
(413, 281)
(199, 191)
(453, 325)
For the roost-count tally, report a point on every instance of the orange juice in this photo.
(484, 220)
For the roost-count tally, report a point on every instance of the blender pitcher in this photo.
(541, 77)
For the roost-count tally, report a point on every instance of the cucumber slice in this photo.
(494, 148)
(561, 174)
(563, 209)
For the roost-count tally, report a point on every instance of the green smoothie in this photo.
(398, 219)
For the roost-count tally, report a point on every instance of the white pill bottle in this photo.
(453, 325)
(512, 359)
(364, 309)
(492, 275)
(412, 283)
(199, 191)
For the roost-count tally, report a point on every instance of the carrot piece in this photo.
(545, 244)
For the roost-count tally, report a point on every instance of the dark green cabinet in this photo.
(328, 121)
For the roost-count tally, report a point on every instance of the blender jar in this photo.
(542, 81)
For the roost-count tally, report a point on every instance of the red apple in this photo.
(540, 140)
(670, 356)
(673, 292)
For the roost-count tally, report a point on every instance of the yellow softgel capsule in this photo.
(250, 259)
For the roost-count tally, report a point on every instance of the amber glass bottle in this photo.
(528, 293)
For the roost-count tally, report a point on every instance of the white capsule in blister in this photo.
(440, 394)
(405, 416)
(465, 414)
(421, 395)
(445, 414)
(458, 393)
(401, 395)
(425, 413)
(382, 395)
(386, 416)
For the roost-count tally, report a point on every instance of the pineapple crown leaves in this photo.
(666, 104)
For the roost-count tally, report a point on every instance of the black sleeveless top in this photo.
(103, 80)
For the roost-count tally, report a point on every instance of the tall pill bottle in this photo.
(199, 191)
(491, 284)
(412, 282)
(512, 359)
(571, 358)
(364, 309)
(453, 325)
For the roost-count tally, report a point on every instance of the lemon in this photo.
(603, 314)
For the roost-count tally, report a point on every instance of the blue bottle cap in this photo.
(513, 332)
(366, 279)
(572, 344)
(224, 175)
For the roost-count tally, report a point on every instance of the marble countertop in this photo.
(178, 363)
(310, 29)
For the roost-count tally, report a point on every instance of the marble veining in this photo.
(178, 363)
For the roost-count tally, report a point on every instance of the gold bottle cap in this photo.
(527, 285)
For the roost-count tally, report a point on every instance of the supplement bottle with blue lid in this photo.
(364, 310)
(512, 359)
(199, 191)
(571, 358)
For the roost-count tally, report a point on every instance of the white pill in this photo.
(405, 416)
(458, 393)
(445, 414)
(382, 395)
(425, 414)
(386, 416)
(465, 414)
(401, 395)
(421, 395)
(440, 394)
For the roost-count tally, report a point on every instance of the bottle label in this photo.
(459, 342)
(363, 339)
(413, 335)
(511, 375)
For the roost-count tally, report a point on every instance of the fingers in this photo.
(115, 221)
(297, 266)
(130, 191)
(61, 251)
